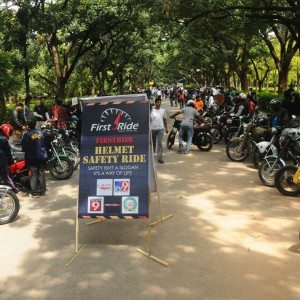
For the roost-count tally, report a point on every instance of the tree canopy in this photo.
(65, 48)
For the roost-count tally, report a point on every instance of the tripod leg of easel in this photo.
(161, 220)
(78, 248)
(160, 206)
(149, 253)
(153, 257)
(95, 222)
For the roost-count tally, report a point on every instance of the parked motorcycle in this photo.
(240, 147)
(201, 138)
(287, 180)
(9, 205)
(59, 165)
(271, 164)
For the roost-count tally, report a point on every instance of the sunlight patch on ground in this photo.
(187, 249)
(227, 250)
(182, 291)
(155, 290)
(35, 294)
(21, 250)
(253, 277)
(277, 224)
(50, 254)
(228, 225)
(265, 247)
(169, 177)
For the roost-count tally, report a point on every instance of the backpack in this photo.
(251, 106)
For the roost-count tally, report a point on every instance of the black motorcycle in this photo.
(201, 138)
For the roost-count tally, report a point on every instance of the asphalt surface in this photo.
(229, 238)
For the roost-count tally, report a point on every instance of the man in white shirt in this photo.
(158, 123)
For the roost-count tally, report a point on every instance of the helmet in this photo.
(7, 130)
(243, 96)
(190, 102)
(275, 104)
(48, 134)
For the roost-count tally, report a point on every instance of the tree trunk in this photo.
(121, 83)
(2, 105)
(61, 88)
(283, 73)
(244, 72)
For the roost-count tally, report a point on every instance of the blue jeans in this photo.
(189, 130)
(157, 138)
(37, 178)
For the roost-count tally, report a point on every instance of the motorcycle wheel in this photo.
(234, 153)
(230, 133)
(9, 206)
(265, 174)
(171, 139)
(62, 169)
(73, 157)
(284, 181)
(204, 142)
(257, 158)
(216, 135)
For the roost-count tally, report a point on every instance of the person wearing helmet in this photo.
(198, 103)
(187, 125)
(240, 108)
(6, 158)
(251, 104)
(279, 115)
(292, 104)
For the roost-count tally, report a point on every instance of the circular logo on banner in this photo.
(130, 204)
(114, 116)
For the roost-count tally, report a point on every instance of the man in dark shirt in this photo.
(33, 145)
(6, 158)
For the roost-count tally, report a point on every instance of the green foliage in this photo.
(264, 99)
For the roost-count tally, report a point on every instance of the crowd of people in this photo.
(25, 130)
(25, 123)
(192, 104)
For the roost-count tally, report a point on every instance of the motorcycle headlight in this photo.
(281, 140)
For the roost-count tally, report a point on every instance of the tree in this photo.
(288, 46)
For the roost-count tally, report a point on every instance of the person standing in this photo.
(158, 124)
(59, 114)
(187, 125)
(27, 114)
(33, 144)
(41, 113)
(181, 97)
(6, 158)
(18, 123)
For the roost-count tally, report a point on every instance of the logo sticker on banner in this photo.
(95, 205)
(130, 205)
(104, 187)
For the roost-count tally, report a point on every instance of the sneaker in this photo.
(161, 161)
(34, 195)
(186, 151)
(42, 194)
(180, 150)
(24, 194)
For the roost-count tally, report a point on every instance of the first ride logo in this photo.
(114, 119)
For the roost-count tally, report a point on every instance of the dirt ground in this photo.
(229, 238)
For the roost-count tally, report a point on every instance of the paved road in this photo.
(230, 238)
